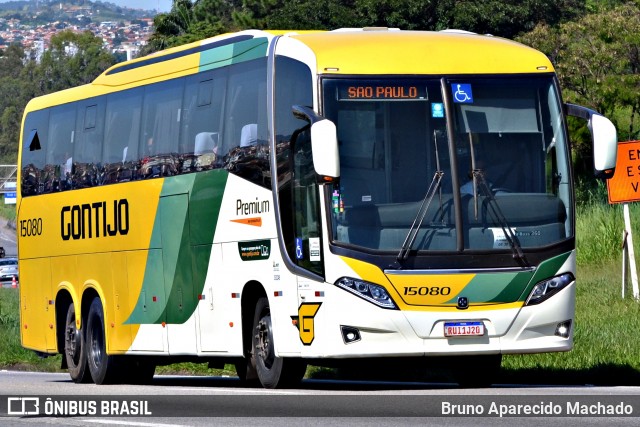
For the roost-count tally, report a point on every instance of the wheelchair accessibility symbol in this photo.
(299, 252)
(462, 93)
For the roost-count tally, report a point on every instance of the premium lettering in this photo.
(251, 208)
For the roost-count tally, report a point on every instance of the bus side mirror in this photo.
(324, 144)
(605, 145)
(604, 138)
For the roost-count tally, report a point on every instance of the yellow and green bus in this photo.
(279, 199)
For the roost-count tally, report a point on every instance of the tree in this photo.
(72, 59)
(597, 59)
(505, 18)
(183, 24)
(317, 15)
(11, 61)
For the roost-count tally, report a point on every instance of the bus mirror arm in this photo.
(324, 144)
(604, 138)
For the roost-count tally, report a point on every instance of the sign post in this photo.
(624, 187)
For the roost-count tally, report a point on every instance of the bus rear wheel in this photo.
(273, 371)
(103, 368)
(74, 349)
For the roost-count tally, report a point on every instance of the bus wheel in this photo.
(246, 370)
(74, 349)
(102, 366)
(273, 372)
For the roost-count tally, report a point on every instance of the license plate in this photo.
(463, 329)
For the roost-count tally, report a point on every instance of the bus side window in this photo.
(246, 92)
(122, 129)
(161, 129)
(33, 153)
(59, 149)
(201, 125)
(87, 154)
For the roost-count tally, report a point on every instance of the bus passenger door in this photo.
(213, 331)
(305, 248)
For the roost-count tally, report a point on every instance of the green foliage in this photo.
(73, 59)
(505, 18)
(210, 17)
(598, 65)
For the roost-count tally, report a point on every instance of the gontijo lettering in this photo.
(96, 219)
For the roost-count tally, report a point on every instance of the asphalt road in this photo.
(8, 238)
(203, 401)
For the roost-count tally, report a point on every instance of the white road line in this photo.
(130, 423)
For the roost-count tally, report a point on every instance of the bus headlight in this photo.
(373, 293)
(545, 289)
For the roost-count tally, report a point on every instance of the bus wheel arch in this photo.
(272, 371)
(245, 367)
(260, 364)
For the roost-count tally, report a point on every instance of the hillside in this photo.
(39, 12)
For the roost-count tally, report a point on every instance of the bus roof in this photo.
(347, 52)
(421, 52)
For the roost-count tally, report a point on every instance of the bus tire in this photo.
(273, 371)
(74, 349)
(246, 371)
(103, 367)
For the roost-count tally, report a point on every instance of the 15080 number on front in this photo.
(426, 290)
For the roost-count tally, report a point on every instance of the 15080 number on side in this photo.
(30, 227)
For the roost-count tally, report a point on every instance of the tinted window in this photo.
(245, 133)
(202, 121)
(35, 132)
(122, 132)
(87, 153)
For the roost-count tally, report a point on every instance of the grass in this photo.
(606, 325)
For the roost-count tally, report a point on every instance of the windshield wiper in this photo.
(480, 182)
(422, 212)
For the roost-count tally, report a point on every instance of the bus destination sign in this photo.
(370, 92)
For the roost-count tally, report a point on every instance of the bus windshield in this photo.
(484, 168)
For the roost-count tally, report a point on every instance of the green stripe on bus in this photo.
(184, 227)
(233, 53)
(501, 288)
(546, 270)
